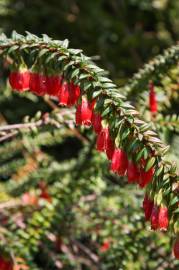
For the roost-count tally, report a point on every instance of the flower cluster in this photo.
(158, 215)
(41, 84)
(68, 95)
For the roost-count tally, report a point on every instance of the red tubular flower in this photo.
(38, 84)
(119, 162)
(84, 113)
(74, 93)
(54, 85)
(19, 80)
(105, 143)
(63, 94)
(176, 249)
(163, 218)
(147, 206)
(110, 148)
(68, 94)
(154, 218)
(96, 122)
(145, 177)
(133, 173)
(33, 81)
(42, 85)
(152, 99)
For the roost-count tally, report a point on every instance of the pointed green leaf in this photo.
(150, 163)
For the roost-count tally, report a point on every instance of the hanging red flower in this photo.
(74, 93)
(84, 112)
(54, 85)
(154, 218)
(152, 99)
(145, 176)
(104, 142)
(133, 173)
(68, 94)
(110, 148)
(19, 80)
(96, 122)
(63, 95)
(147, 206)
(38, 83)
(163, 218)
(119, 162)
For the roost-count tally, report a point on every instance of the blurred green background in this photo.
(121, 35)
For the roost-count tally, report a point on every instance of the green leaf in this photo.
(43, 51)
(159, 170)
(140, 155)
(46, 38)
(96, 93)
(104, 80)
(109, 85)
(134, 145)
(106, 111)
(13, 48)
(65, 43)
(75, 73)
(50, 57)
(86, 85)
(167, 191)
(83, 76)
(75, 51)
(125, 133)
(176, 211)
(100, 103)
(174, 200)
(150, 163)
(144, 127)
